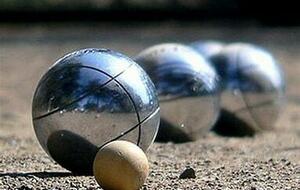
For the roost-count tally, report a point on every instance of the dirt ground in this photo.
(270, 160)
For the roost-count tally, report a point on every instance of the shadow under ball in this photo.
(89, 98)
(252, 84)
(187, 88)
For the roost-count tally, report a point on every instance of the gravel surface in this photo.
(270, 160)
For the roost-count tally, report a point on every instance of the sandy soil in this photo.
(270, 160)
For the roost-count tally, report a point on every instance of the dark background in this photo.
(263, 11)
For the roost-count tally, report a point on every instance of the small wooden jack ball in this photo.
(120, 165)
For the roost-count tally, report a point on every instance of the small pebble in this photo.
(187, 174)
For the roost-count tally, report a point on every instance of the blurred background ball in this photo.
(252, 84)
(89, 98)
(207, 48)
(187, 87)
(121, 165)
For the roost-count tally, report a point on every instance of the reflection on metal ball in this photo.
(89, 98)
(187, 88)
(252, 84)
(207, 48)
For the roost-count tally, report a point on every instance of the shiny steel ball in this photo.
(252, 84)
(207, 48)
(89, 98)
(187, 88)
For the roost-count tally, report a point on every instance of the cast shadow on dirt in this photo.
(227, 125)
(169, 133)
(41, 175)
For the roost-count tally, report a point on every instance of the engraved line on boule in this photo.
(254, 118)
(255, 106)
(132, 128)
(80, 52)
(85, 94)
(135, 108)
(88, 93)
(75, 66)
